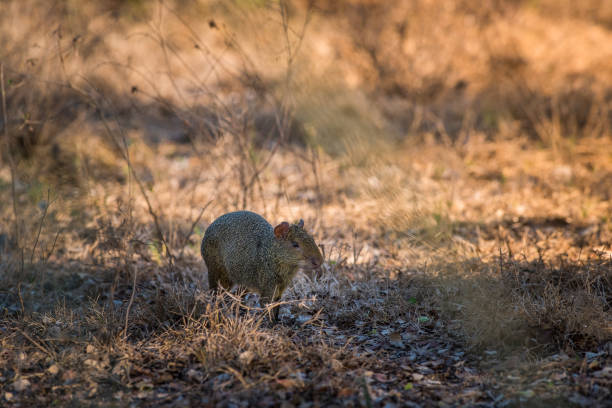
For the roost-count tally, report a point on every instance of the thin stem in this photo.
(9, 154)
(40, 225)
(131, 302)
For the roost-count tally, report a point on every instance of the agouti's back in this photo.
(242, 248)
(234, 242)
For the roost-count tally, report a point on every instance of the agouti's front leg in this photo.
(268, 298)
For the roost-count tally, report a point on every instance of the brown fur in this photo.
(242, 248)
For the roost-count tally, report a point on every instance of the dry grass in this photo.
(454, 162)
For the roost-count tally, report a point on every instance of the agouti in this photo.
(241, 248)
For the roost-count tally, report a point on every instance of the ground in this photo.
(453, 164)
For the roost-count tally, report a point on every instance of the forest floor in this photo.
(453, 161)
(502, 301)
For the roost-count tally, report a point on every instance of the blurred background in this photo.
(194, 95)
(466, 143)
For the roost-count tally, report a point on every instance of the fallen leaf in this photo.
(143, 394)
(163, 378)
(559, 376)
(590, 355)
(122, 366)
(194, 375)
(91, 363)
(336, 365)
(345, 392)
(604, 372)
(287, 383)
(408, 386)
(381, 377)
(54, 369)
(21, 384)
(435, 363)
(424, 370)
(69, 375)
(144, 385)
(92, 391)
(395, 339)
(303, 318)
(246, 357)
(527, 393)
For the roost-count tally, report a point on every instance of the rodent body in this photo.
(242, 248)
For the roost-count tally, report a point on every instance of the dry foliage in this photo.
(454, 161)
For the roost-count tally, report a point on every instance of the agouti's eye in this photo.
(295, 244)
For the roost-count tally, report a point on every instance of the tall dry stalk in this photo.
(11, 160)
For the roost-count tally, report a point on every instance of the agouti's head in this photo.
(300, 243)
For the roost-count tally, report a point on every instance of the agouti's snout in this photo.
(316, 262)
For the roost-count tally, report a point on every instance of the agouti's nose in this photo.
(315, 262)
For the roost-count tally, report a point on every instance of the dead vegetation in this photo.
(454, 163)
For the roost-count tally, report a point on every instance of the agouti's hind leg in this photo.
(242, 291)
(217, 284)
(217, 277)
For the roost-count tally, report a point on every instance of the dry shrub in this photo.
(230, 341)
(405, 142)
(535, 305)
(569, 301)
(479, 306)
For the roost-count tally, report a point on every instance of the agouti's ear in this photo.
(281, 230)
(301, 223)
